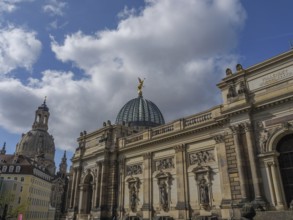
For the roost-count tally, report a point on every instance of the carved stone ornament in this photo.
(163, 195)
(242, 88)
(134, 169)
(263, 138)
(219, 139)
(201, 157)
(166, 163)
(239, 67)
(133, 186)
(203, 180)
(231, 92)
(164, 187)
(228, 72)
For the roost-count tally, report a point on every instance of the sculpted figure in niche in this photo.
(133, 197)
(163, 196)
(204, 191)
(264, 135)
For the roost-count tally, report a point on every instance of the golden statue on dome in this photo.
(140, 85)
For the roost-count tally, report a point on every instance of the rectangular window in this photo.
(4, 168)
(11, 168)
(22, 179)
(17, 169)
(15, 178)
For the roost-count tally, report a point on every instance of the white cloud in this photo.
(181, 47)
(9, 6)
(19, 48)
(55, 7)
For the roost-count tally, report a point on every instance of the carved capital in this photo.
(147, 155)
(235, 129)
(286, 125)
(219, 139)
(121, 160)
(179, 148)
(246, 126)
(271, 164)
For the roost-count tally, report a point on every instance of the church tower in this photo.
(63, 165)
(3, 150)
(38, 144)
(42, 117)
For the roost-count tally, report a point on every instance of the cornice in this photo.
(257, 67)
(173, 135)
(272, 102)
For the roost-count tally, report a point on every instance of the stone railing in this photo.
(134, 138)
(178, 125)
(198, 119)
(162, 130)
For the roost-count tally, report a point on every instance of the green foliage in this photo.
(8, 198)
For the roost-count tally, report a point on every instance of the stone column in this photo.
(81, 202)
(223, 167)
(277, 186)
(96, 194)
(102, 185)
(121, 193)
(72, 188)
(270, 182)
(253, 164)
(239, 155)
(182, 204)
(147, 206)
(76, 186)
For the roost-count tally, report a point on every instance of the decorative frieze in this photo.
(201, 157)
(165, 163)
(235, 129)
(147, 156)
(134, 169)
(219, 139)
(179, 148)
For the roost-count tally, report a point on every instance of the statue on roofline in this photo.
(140, 85)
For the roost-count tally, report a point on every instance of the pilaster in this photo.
(182, 203)
(258, 198)
(147, 191)
(239, 156)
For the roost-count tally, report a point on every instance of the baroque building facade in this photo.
(208, 165)
(39, 192)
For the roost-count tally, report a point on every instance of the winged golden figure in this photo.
(140, 85)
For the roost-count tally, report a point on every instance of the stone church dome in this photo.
(38, 144)
(140, 112)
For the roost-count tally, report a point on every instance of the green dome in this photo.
(140, 112)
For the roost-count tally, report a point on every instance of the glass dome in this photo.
(140, 112)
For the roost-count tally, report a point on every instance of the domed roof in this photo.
(37, 142)
(140, 112)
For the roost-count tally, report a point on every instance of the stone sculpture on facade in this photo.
(133, 197)
(201, 157)
(204, 192)
(163, 196)
(263, 140)
(164, 164)
(134, 169)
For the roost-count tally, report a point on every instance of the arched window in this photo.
(285, 148)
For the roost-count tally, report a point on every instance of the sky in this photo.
(86, 56)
